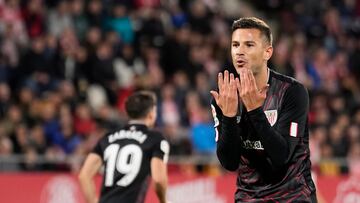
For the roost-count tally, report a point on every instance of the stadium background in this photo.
(67, 65)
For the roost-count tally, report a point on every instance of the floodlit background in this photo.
(66, 67)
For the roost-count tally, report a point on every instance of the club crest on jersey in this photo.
(271, 115)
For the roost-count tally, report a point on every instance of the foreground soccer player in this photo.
(261, 122)
(129, 156)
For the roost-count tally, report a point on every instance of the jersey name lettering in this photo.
(126, 134)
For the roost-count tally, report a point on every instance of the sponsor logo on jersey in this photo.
(271, 115)
(252, 144)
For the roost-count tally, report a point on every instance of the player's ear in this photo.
(268, 53)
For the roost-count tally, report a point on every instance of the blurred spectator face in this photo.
(337, 104)
(104, 51)
(77, 7)
(202, 82)
(335, 134)
(81, 54)
(128, 51)
(181, 79)
(353, 133)
(281, 52)
(51, 42)
(26, 95)
(322, 116)
(21, 134)
(6, 146)
(83, 112)
(95, 7)
(343, 120)
(67, 90)
(14, 114)
(182, 35)
(94, 35)
(320, 134)
(37, 135)
(326, 151)
(357, 117)
(63, 7)
(168, 92)
(4, 92)
(112, 38)
(198, 9)
(250, 57)
(48, 111)
(38, 45)
(54, 98)
(68, 41)
(35, 6)
(119, 11)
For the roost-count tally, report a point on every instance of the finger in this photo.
(242, 82)
(220, 82)
(238, 86)
(246, 82)
(252, 81)
(232, 84)
(226, 77)
(215, 95)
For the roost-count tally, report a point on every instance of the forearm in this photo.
(88, 187)
(228, 145)
(274, 143)
(160, 189)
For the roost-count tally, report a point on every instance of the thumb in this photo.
(215, 95)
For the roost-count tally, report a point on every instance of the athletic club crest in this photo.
(271, 115)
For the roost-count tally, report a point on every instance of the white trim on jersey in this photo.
(293, 129)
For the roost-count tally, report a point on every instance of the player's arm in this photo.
(280, 140)
(158, 166)
(90, 168)
(227, 137)
(159, 176)
(227, 101)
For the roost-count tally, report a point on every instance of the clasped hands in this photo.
(232, 91)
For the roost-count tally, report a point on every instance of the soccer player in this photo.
(129, 156)
(261, 122)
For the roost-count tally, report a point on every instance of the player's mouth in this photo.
(240, 63)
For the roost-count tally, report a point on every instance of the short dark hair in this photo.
(139, 104)
(253, 22)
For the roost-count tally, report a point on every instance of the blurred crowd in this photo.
(66, 67)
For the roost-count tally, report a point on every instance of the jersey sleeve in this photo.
(227, 137)
(98, 149)
(281, 140)
(162, 149)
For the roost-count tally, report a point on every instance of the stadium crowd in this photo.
(66, 67)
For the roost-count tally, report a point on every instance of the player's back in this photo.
(127, 154)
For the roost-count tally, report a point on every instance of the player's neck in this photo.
(262, 78)
(139, 122)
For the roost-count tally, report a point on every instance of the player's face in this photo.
(249, 49)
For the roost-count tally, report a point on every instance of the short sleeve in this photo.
(162, 150)
(97, 149)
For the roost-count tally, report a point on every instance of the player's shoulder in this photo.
(155, 135)
(291, 82)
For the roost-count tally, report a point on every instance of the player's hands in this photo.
(250, 95)
(227, 98)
